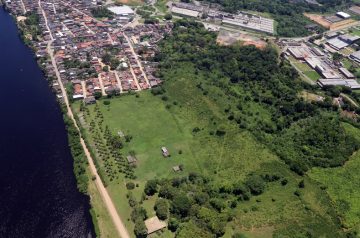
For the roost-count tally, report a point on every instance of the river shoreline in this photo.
(60, 105)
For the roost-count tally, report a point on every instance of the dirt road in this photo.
(119, 225)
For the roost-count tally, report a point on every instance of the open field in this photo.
(161, 5)
(347, 51)
(319, 19)
(229, 38)
(313, 75)
(185, 121)
(302, 66)
(104, 223)
(355, 31)
(311, 97)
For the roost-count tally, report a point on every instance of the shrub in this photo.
(181, 205)
(130, 185)
(284, 182)
(166, 191)
(256, 184)
(173, 224)
(140, 229)
(161, 208)
(150, 187)
(218, 204)
(138, 213)
(301, 184)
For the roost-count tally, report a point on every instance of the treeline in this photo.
(77, 152)
(250, 76)
(288, 14)
(30, 27)
(102, 12)
(196, 204)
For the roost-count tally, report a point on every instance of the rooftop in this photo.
(121, 10)
(356, 54)
(184, 11)
(343, 15)
(154, 224)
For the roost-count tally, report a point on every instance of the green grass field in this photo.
(161, 5)
(154, 122)
(303, 67)
(355, 31)
(313, 75)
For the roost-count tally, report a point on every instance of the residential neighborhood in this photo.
(95, 58)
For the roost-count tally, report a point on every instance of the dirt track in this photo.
(119, 225)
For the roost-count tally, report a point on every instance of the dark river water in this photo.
(38, 194)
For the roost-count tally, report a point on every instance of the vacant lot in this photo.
(319, 19)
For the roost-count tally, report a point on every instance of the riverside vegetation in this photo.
(253, 154)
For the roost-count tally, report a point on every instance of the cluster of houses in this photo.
(80, 41)
(238, 20)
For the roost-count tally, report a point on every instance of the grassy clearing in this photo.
(355, 31)
(310, 97)
(343, 186)
(161, 5)
(303, 67)
(185, 119)
(347, 51)
(313, 75)
(347, 63)
(104, 226)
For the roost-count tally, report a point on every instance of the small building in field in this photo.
(165, 152)
(131, 159)
(177, 168)
(154, 224)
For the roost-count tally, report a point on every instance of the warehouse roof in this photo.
(121, 10)
(337, 43)
(343, 15)
(186, 12)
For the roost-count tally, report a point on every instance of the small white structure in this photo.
(165, 152)
(343, 15)
(122, 11)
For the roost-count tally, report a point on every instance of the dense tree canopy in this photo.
(271, 83)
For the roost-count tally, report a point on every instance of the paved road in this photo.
(137, 59)
(119, 225)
